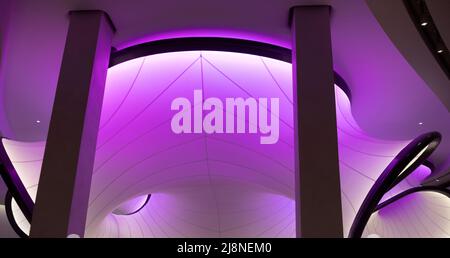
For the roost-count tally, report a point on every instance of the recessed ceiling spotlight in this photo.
(423, 24)
(440, 51)
(38, 121)
(420, 123)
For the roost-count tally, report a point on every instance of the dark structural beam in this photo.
(65, 181)
(317, 185)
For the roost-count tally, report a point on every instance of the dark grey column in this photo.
(318, 194)
(64, 185)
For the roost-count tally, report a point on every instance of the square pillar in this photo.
(65, 181)
(317, 185)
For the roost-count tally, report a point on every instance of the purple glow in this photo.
(205, 185)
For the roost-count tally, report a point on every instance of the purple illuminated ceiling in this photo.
(205, 185)
(389, 98)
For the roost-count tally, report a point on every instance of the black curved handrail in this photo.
(398, 169)
(399, 196)
(10, 216)
(14, 184)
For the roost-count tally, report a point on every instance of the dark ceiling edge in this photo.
(198, 44)
(419, 13)
(211, 44)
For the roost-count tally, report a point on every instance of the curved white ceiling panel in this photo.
(205, 185)
(420, 214)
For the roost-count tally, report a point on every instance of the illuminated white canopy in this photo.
(205, 185)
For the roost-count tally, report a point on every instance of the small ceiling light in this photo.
(440, 51)
(38, 121)
(423, 24)
(420, 123)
